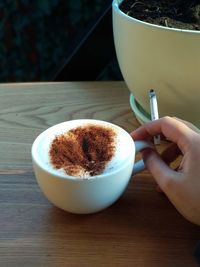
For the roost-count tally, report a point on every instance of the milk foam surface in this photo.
(124, 151)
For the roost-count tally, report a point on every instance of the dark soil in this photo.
(181, 14)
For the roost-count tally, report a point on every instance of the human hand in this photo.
(182, 187)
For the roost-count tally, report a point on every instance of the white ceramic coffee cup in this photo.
(92, 194)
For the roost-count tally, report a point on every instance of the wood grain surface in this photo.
(141, 229)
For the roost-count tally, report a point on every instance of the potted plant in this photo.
(163, 57)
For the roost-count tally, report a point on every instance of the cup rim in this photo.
(115, 7)
(42, 165)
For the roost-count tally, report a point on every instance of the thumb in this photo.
(161, 172)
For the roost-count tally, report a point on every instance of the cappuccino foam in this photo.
(123, 147)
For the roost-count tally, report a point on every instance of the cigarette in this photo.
(154, 112)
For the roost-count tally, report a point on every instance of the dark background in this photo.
(44, 40)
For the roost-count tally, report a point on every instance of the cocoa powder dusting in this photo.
(83, 150)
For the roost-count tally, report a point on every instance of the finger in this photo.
(171, 128)
(189, 124)
(159, 169)
(168, 126)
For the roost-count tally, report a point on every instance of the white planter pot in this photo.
(167, 60)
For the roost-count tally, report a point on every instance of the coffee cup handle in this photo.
(140, 165)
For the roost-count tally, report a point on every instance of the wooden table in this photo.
(141, 229)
